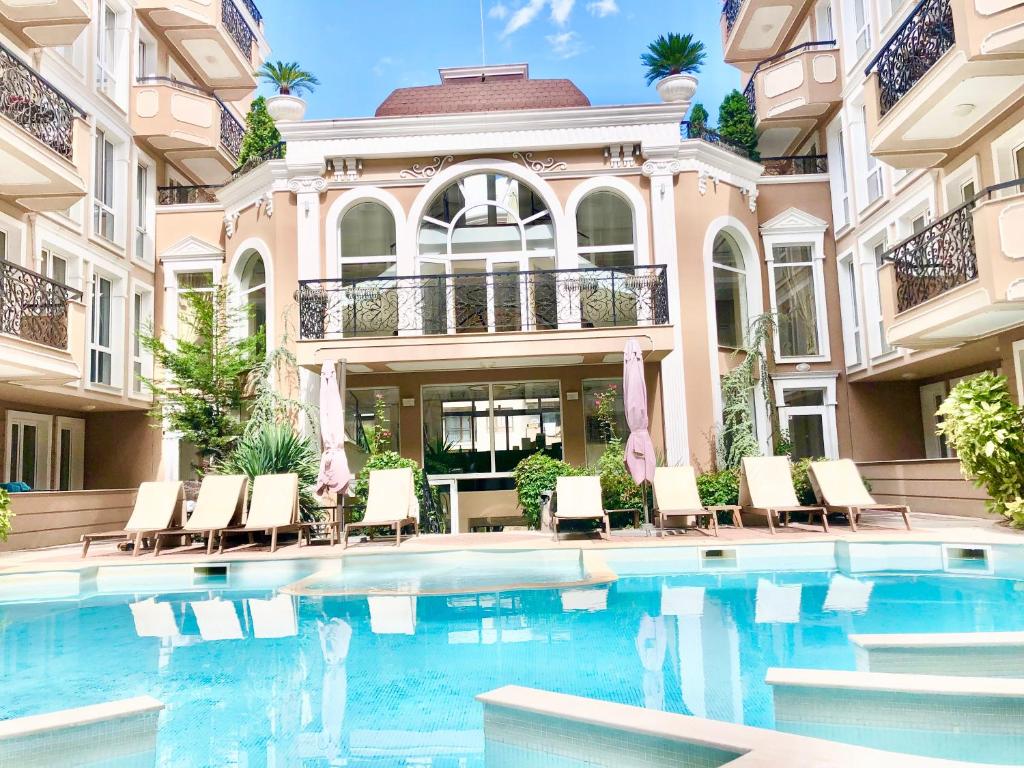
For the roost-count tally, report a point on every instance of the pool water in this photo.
(252, 676)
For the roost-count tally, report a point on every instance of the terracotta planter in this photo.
(286, 108)
(676, 89)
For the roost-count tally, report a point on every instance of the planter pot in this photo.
(287, 109)
(677, 88)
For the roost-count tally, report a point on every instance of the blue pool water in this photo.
(390, 680)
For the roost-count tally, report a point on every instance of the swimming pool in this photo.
(256, 672)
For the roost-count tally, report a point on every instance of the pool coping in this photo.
(79, 716)
(896, 682)
(938, 640)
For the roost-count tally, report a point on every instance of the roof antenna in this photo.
(483, 43)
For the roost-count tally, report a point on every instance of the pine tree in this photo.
(261, 133)
(698, 118)
(736, 123)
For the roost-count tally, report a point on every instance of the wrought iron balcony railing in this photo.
(231, 131)
(702, 132)
(795, 165)
(276, 152)
(912, 51)
(237, 27)
(186, 195)
(731, 11)
(250, 6)
(942, 256)
(750, 92)
(34, 103)
(34, 307)
(484, 302)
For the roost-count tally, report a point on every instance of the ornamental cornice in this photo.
(663, 167)
(307, 184)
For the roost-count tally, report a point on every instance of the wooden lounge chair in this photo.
(676, 495)
(766, 488)
(579, 498)
(840, 488)
(221, 503)
(155, 505)
(274, 508)
(391, 503)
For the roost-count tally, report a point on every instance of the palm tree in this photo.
(673, 54)
(288, 77)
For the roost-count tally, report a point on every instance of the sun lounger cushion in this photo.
(274, 501)
(675, 489)
(221, 502)
(392, 496)
(839, 484)
(578, 497)
(155, 505)
(768, 481)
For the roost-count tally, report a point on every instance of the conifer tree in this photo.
(698, 118)
(736, 123)
(261, 133)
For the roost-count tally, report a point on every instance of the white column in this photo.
(661, 170)
(307, 191)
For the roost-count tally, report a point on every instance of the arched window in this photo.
(730, 291)
(367, 241)
(252, 291)
(604, 231)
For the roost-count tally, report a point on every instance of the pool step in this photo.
(961, 654)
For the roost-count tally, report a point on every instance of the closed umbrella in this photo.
(334, 472)
(640, 459)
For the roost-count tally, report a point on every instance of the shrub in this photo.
(802, 482)
(534, 475)
(987, 430)
(5, 515)
(719, 489)
(736, 123)
(618, 491)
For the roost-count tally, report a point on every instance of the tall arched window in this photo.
(604, 231)
(367, 241)
(252, 290)
(367, 304)
(730, 291)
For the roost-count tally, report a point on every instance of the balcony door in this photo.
(28, 449)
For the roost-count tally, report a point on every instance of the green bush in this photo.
(985, 426)
(5, 515)
(534, 475)
(618, 491)
(802, 482)
(384, 460)
(719, 489)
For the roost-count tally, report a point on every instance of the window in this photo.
(862, 26)
(70, 454)
(190, 282)
(142, 320)
(874, 168)
(54, 266)
(1018, 164)
(106, 50)
(730, 291)
(252, 287)
(842, 180)
(145, 64)
(823, 16)
(806, 409)
(878, 252)
(103, 187)
(796, 300)
(919, 223)
(28, 449)
(486, 429)
(850, 307)
(142, 213)
(3, 244)
(361, 407)
(595, 432)
(604, 231)
(967, 192)
(100, 349)
(368, 248)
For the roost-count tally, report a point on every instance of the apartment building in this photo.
(105, 105)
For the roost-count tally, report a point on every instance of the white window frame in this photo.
(861, 34)
(1018, 368)
(144, 212)
(874, 179)
(850, 310)
(44, 437)
(77, 429)
(826, 382)
(117, 319)
(104, 186)
(47, 257)
(107, 49)
(815, 238)
(583, 251)
(840, 181)
(878, 346)
(142, 360)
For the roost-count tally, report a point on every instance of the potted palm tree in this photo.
(290, 80)
(672, 61)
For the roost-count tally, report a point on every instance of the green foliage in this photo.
(439, 455)
(673, 54)
(604, 411)
(736, 123)
(535, 475)
(6, 522)
(276, 449)
(985, 426)
(261, 132)
(802, 482)
(288, 77)
(699, 118)
(199, 387)
(719, 489)
(384, 460)
(277, 373)
(378, 435)
(737, 438)
(618, 491)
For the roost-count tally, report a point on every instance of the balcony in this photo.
(948, 71)
(221, 41)
(42, 23)
(42, 328)
(40, 138)
(702, 133)
(189, 125)
(792, 93)
(755, 30)
(960, 279)
(202, 194)
(473, 319)
(795, 165)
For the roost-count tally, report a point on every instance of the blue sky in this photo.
(362, 49)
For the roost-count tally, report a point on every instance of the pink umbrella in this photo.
(640, 459)
(334, 472)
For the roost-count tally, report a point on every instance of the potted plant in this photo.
(290, 80)
(672, 61)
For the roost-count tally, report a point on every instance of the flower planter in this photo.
(676, 89)
(286, 108)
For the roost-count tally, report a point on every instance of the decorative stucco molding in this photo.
(230, 223)
(301, 184)
(348, 169)
(751, 194)
(539, 166)
(661, 167)
(268, 203)
(427, 171)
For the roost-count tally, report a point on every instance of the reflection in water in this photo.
(650, 646)
(392, 614)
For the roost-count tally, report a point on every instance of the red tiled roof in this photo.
(492, 95)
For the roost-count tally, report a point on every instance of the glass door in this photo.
(70, 453)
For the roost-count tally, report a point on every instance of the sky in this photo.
(363, 49)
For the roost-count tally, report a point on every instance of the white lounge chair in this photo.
(579, 498)
(766, 488)
(676, 495)
(274, 507)
(391, 503)
(840, 488)
(221, 502)
(155, 505)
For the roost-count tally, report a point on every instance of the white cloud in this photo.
(561, 10)
(565, 45)
(524, 16)
(602, 8)
(499, 11)
(383, 65)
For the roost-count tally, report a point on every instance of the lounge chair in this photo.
(766, 488)
(155, 505)
(676, 495)
(391, 503)
(840, 488)
(274, 507)
(579, 498)
(221, 502)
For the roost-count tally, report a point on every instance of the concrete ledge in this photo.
(972, 654)
(939, 640)
(946, 685)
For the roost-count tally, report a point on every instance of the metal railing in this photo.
(483, 302)
(250, 6)
(187, 195)
(690, 131)
(795, 165)
(275, 152)
(731, 11)
(942, 256)
(34, 103)
(750, 92)
(231, 131)
(237, 27)
(921, 40)
(34, 307)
